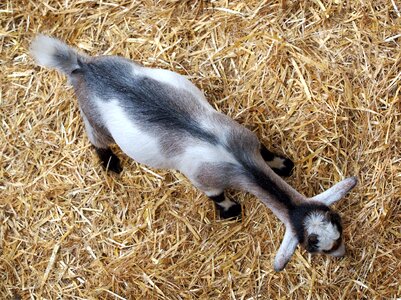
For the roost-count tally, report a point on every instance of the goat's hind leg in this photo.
(101, 140)
(109, 160)
(282, 166)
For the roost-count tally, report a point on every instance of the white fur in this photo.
(43, 49)
(201, 153)
(336, 192)
(287, 248)
(340, 251)
(174, 79)
(129, 137)
(213, 192)
(328, 233)
(277, 163)
(89, 131)
(181, 82)
(226, 204)
(145, 148)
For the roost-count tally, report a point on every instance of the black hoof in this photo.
(280, 165)
(109, 160)
(233, 212)
(286, 169)
(113, 164)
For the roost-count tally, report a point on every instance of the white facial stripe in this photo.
(327, 233)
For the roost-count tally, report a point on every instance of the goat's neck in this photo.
(273, 191)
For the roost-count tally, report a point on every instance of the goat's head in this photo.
(322, 232)
(315, 226)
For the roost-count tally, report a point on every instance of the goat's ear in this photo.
(286, 250)
(336, 192)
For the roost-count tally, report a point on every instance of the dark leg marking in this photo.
(266, 154)
(109, 160)
(281, 165)
(227, 208)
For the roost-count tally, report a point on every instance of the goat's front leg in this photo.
(227, 208)
(282, 166)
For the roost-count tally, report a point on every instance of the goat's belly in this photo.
(142, 148)
(138, 144)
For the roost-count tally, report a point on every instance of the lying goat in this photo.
(162, 120)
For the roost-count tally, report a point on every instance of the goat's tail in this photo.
(53, 53)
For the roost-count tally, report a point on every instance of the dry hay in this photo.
(317, 80)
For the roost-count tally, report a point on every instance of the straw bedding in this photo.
(317, 80)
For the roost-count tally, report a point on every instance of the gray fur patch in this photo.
(172, 144)
(155, 106)
(213, 176)
(99, 136)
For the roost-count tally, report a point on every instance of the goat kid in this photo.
(161, 119)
